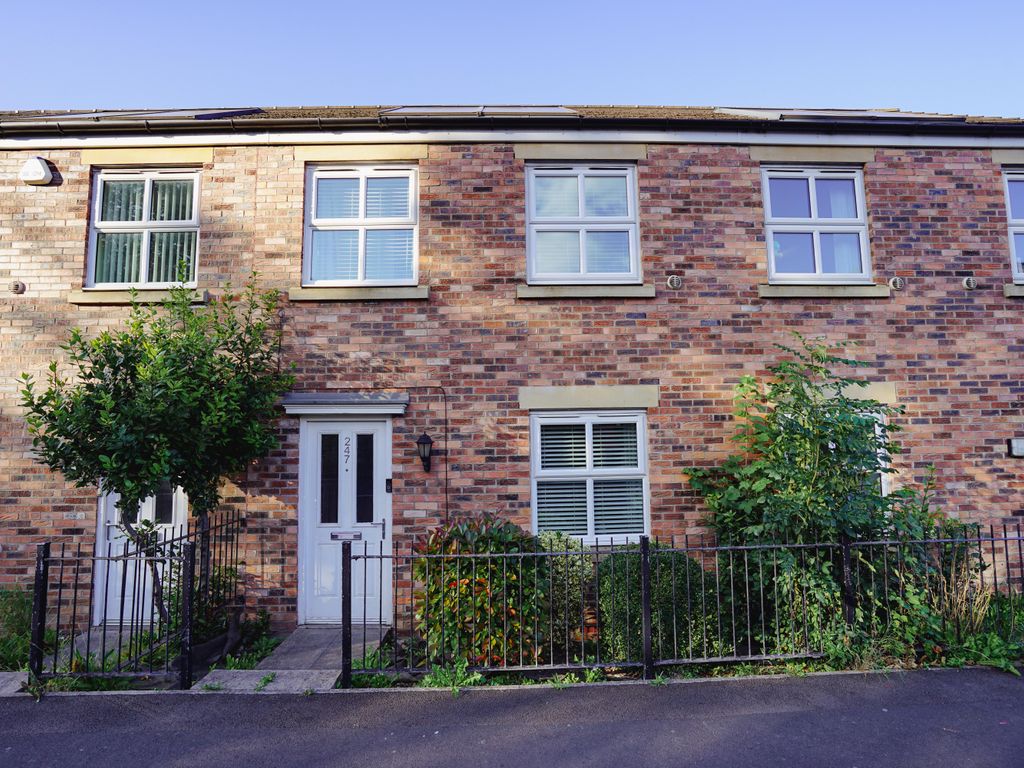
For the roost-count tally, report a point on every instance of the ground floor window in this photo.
(589, 473)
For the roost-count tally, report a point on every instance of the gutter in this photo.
(876, 126)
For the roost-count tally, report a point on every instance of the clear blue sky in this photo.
(933, 56)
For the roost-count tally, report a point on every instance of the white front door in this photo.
(344, 467)
(116, 598)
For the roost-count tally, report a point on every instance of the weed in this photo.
(455, 677)
(266, 680)
(558, 682)
(213, 686)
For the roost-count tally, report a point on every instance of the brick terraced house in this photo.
(561, 298)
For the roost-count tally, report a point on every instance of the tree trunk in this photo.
(146, 547)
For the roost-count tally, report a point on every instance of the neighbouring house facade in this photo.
(562, 299)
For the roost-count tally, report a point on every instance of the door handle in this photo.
(383, 528)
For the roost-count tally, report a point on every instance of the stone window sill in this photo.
(1013, 291)
(92, 296)
(824, 291)
(645, 291)
(396, 293)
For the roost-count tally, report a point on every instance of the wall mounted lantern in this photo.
(424, 446)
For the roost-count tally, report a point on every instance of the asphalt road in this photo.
(934, 719)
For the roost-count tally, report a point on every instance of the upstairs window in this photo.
(145, 229)
(582, 224)
(1015, 213)
(816, 225)
(589, 472)
(360, 226)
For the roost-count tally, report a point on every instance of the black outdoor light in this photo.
(424, 445)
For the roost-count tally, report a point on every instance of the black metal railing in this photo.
(135, 609)
(651, 604)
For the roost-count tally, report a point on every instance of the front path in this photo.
(934, 719)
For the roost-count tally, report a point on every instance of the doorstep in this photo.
(268, 681)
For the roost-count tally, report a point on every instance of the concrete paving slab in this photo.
(10, 683)
(283, 680)
(320, 647)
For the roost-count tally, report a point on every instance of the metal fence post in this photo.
(346, 614)
(846, 581)
(645, 605)
(39, 593)
(204, 556)
(188, 576)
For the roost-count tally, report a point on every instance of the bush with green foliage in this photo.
(684, 606)
(15, 628)
(486, 611)
(570, 574)
(810, 456)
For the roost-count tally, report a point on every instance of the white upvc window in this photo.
(582, 224)
(816, 225)
(145, 229)
(589, 474)
(361, 226)
(1015, 214)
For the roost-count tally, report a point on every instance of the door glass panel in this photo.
(163, 505)
(364, 478)
(328, 479)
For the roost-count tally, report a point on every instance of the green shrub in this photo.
(15, 628)
(569, 577)
(684, 607)
(486, 611)
(810, 454)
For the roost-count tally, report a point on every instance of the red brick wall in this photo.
(934, 216)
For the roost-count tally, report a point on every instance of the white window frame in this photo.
(1016, 226)
(146, 226)
(590, 473)
(583, 224)
(815, 225)
(360, 224)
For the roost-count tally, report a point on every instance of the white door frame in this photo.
(306, 493)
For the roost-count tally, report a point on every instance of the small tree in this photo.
(185, 394)
(811, 458)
